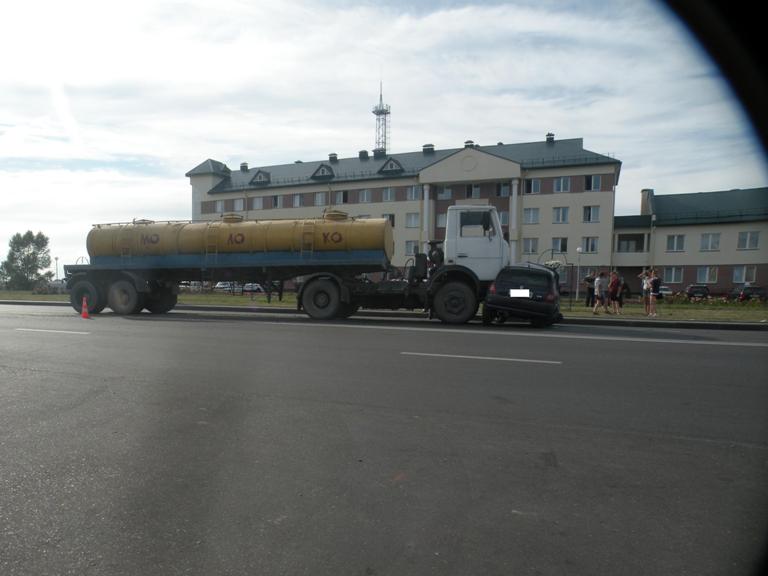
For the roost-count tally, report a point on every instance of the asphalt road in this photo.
(212, 444)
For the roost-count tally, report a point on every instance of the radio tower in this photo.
(381, 111)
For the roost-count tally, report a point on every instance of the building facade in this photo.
(713, 238)
(555, 199)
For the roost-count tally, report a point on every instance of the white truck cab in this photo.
(474, 239)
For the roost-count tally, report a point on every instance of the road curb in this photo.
(585, 321)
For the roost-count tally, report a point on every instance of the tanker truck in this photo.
(139, 265)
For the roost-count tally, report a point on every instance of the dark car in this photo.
(529, 292)
(752, 293)
(697, 291)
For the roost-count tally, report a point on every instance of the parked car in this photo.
(252, 287)
(529, 292)
(227, 287)
(697, 291)
(666, 292)
(752, 293)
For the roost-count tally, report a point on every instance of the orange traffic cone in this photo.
(84, 309)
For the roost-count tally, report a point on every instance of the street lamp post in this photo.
(578, 271)
(56, 258)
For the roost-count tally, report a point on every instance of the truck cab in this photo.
(474, 239)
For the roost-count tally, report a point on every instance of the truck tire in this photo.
(161, 301)
(455, 303)
(321, 300)
(93, 297)
(124, 299)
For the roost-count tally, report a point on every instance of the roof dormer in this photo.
(323, 172)
(261, 178)
(391, 166)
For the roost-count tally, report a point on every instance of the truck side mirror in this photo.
(486, 221)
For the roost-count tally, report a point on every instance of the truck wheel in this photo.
(321, 300)
(91, 293)
(161, 301)
(124, 298)
(455, 303)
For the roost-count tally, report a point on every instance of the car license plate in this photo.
(519, 293)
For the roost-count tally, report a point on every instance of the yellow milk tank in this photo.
(334, 231)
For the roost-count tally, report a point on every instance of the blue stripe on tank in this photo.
(373, 258)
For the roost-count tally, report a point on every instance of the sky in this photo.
(105, 105)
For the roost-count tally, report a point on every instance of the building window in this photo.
(412, 193)
(591, 183)
(673, 274)
(219, 206)
(412, 220)
(320, 199)
(239, 205)
(341, 197)
(589, 244)
(504, 217)
(442, 219)
(706, 275)
(710, 242)
(473, 191)
(277, 201)
(591, 213)
(530, 215)
(562, 184)
(391, 218)
(530, 245)
(444, 193)
(675, 242)
(388, 195)
(533, 186)
(748, 240)
(411, 247)
(631, 243)
(560, 245)
(257, 203)
(297, 200)
(560, 215)
(744, 274)
(502, 190)
(364, 196)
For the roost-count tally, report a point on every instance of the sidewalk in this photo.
(602, 320)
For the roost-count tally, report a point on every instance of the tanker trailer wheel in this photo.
(161, 301)
(124, 298)
(455, 303)
(321, 300)
(92, 294)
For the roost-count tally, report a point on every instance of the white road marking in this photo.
(526, 334)
(481, 358)
(52, 331)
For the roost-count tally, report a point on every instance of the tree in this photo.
(27, 257)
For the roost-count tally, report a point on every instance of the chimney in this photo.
(469, 144)
(363, 155)
(550, 138)
(244, 167)
(646, 201)
(379, 153)
(333, 158)
(428, 149)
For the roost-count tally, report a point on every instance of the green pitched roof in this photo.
(711, 207)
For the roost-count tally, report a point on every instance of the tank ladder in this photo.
(307, 237)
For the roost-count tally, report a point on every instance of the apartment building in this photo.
(714, 238)
(555, 199)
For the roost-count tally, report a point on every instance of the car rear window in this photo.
(525, 278)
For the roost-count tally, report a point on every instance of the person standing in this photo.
(655, 284)
(589, 282)
(645, 279)
(601, 289)
(613, 292)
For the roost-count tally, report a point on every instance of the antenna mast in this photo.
(381, 111)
